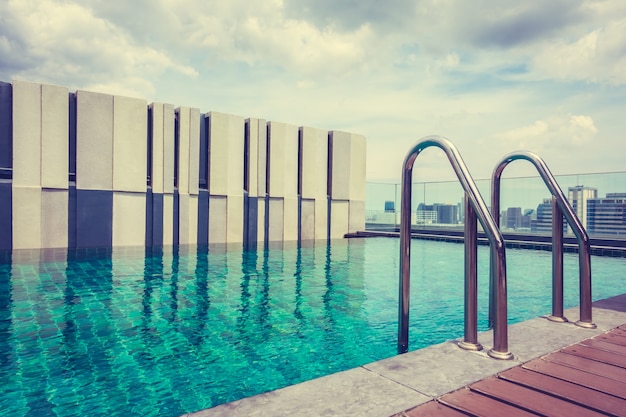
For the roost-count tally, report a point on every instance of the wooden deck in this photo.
(586, 379)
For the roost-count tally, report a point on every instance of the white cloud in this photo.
(67, 43)
(598, 56)
(549, 135)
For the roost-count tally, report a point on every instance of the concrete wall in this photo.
(88, 169)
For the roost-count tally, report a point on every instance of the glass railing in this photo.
(524, 203)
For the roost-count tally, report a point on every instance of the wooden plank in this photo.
(432, 409)
(565, 390)
(598, 368)
(612, 338)
(583, 378)
(596, 355)
(531, 400)
(609, 347)
(481, 405)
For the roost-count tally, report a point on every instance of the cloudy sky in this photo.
(491, 75)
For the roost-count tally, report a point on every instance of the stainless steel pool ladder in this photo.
(560, 208)
(474, 207)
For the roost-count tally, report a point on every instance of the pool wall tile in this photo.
(188, 219)
(94, 218)
(217, 225)
(168, 219)
(26, 217)
(54, 218)
(6, 215)
(307, 220)
(339, 218)
(203, 217)
(275, 216)
(129, 219)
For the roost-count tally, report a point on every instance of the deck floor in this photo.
(585, 379)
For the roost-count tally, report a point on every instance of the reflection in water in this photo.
(169, 332)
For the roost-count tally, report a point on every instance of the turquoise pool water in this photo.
(129, 333)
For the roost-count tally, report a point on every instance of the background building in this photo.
(578, 197)
(607, 216)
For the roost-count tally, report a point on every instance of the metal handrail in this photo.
(560, 208)
(475, 206)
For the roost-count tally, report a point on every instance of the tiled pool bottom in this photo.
(392, 386)
(120, 333)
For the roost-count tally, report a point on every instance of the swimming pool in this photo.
(129, 333)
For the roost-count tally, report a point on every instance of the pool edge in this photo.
(391, 385)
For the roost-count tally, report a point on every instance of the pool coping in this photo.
(395, 384)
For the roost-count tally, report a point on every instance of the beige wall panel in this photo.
(340, 144)
(26, 134)
(357, 216)
(234, 222)
(54, 136)
(194, 150)
(308, 220)
(26, 217)
(183, 150)
(290, 228)
(314, 162)
(321, 218)
(217, 219)
(226, 156)
(283, 160)
(357, 168)
(192, 227)
(262, 159)
(276, 221)
(54, 206)
(253, 157)
(130, 153)
(261, 220)
(94, 141)
(188, 219)
(168, 148)
(157, 147)
(339, 219)
(129, 219)
(168, 219)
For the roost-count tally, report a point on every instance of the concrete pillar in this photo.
(282, 182)
(256, 131)
(40, 165)
(313, 183)
(226, 178)
(347, 183)
(188, 173)
(130, 124)
(162, 173)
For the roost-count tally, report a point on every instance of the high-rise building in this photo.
(578, 197)
(513, 218)
(607, 216)
(543, 222)
(437, 213)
